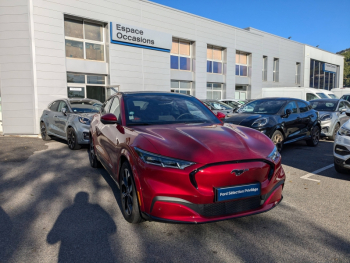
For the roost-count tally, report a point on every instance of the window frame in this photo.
(212, 89)
(275, 76)
(84, 40)
(179, 55)
(297, 73)
(264, 68)
(179, 85)
(212, 47)
(85, 84)
(239, 64)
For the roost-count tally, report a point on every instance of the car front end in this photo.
(328, 121)
(341, 149)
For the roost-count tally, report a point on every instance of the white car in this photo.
(341, 149)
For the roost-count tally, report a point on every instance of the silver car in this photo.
(69, 119)
(332, 115)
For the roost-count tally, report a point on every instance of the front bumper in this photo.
(326, 128)
(170, 196)
(83, 132)
(341, 151)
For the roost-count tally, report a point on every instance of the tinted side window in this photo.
(310, 96)
(341, 105)
(62, 105)
(54, 105)
(303, 107)
(115, 108)
(106, 106)
(346, 97)
(347, 104)
(292, 106)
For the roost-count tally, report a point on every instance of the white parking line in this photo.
(306, 177)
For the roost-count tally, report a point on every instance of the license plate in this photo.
(237, 192)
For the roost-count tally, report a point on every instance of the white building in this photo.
(51, 49)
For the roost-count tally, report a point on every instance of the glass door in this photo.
(96, 93)
(241, 93)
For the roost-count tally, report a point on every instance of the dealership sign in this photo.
(140, 37)
(330, 68)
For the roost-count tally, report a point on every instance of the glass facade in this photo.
(180, 55)
(321, 78)
(183, 87)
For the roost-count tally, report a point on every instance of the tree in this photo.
(346, 54)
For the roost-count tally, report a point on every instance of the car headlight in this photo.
(85, 121)
(274, 155)
(343, 131)
(326, 117)
(260, 122)
(151, 158)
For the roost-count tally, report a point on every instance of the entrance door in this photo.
(241, 93)
(96, 93)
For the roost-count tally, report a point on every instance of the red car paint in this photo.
(188, 195)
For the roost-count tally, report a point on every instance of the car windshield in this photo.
(217, 105)
(332, 96)
(323, 105)
(232, 104)
(262, 107)
(85, 106)
(148, 109)
(322, 95)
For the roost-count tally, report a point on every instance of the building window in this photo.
(180, 55)
(214, 60)
(241, 64)
(183, 87)
(86, 86)
(321, 78)
(264, 69)
(297, 73)
(214, 91)
(276, 66)
(84, 40)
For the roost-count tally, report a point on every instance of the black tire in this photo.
(336, 128)
(315, 137)
(340, 169)
(94, 162)
(278, 139)
(72, 139)
(43, 132)
(128, 196)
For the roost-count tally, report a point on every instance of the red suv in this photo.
(175, 161)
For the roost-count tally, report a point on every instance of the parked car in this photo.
(332, 115)
(284, 120)
(218, 106)
(235, 104)
(69, 119)
(162, 150)
(341, 149)
(296, 92)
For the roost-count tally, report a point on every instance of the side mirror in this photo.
(220, 115)
(64, 111)
(109, 118)
(288, 112)
(343, 110)
(347, 113)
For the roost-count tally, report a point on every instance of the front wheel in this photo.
(94, 162)
(278, 138)
(336, 128)
(72, 139)
(43, 132)
(315, 137)
(130, 207)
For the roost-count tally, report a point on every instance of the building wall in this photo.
(16, 68)
(324, 56)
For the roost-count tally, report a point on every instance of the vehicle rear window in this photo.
(324, 105)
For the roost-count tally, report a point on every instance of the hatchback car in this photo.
(175, 161)
(332, 115)
(284, 120)
(69, 119)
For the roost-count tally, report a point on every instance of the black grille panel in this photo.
(341, 150)
(229, 207)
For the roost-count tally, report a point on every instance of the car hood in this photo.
(321, 113)
(86, 115)
(206, 144)
(243, 118)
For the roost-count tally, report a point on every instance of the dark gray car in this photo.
(69, 119)
(332, 115)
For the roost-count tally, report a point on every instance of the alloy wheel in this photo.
(277, 140)
(126, 189)
(43, 131)
(71, 139)
(316, 135)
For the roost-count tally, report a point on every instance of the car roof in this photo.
(152, 93)
(331, 100)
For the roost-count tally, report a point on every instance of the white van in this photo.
(296, 92)
(340, 92)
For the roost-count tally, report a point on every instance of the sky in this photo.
(312, 22)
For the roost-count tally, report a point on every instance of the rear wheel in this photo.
(278, 138)
(72, 139)
(94, 162)
(340, 169)
(315, 137)
(130, 207)
(43, 132)
(336, 128)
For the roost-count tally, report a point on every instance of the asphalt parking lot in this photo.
(54, 207)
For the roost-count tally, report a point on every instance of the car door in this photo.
(50, 115)
(306, 117)
(341, 115)
(291, 122)
(60, 119)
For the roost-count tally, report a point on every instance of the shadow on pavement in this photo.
(83, 230)
(5, 235)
